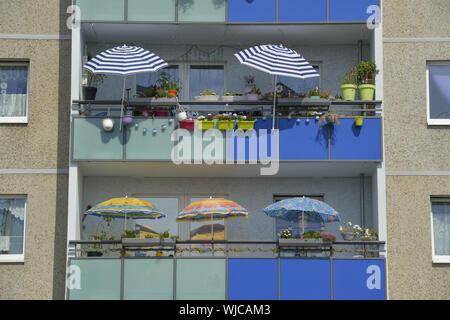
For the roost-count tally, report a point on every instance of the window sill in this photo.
(13, 120)
(441, 259)
(12, 258)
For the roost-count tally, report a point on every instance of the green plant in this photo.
(285, 234)
(225, 117)
(329, 118)
(366, 71)
(129, 234)
(248, 117)
(208, 93)
(325, 95)
(314, 92)
(312, 235)
(165, 234)
(350, 78)
(161, 93)
(94, 79)
(255, 91)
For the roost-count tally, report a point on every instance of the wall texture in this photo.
(42, 143)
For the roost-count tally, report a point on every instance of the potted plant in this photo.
(205, 123)
(367, 234)
(245, 122)
(230, 97)
(173, 89)
(187, 124)
(349, 86)
(225, 121)
(349, 231)
(329, 118)
(207, 95)
(93, 80)
(314, 93)
(366, 72)
(325, 95)
(253, 94)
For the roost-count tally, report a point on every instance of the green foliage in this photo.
(129, 234)
(312, 235)
(366, 71)
(350, 78)
(94, 79)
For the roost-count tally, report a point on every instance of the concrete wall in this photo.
(417, 155)
(31, 31)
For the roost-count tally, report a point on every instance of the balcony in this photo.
(233, 270)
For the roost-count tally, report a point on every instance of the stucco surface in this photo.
(412, 275)
(416, 18)
(411, 144)
(44, 141)
(42, 274)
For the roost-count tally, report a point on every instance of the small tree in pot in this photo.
(93, 80)
(366, 72)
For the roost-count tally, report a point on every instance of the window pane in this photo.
(151, 10)
(13, 90)
(169, 206)
(146, 79)
(296, 85)
(439, 79)
(101, 10)
(12, 216)
(441, 227)
(201, 10)
(206, 78)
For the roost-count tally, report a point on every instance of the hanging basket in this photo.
(187, 124)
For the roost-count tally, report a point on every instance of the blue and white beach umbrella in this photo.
(125, 60)
(277, 60)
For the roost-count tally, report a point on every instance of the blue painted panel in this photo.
(254, 140)
(349, 142)
(302, 10)
(251, 10)
(358, 280)
(350, 10)
(253, 279)
(303, 141)
(303, 279)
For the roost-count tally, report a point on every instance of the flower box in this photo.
(252, 97)
(225, 124)
(205, 124)
(304, 243)
(232, 98)
(211, 98)
(187, 124)
(245, 125)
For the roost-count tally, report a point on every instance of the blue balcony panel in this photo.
(252, 11)
(304, 279)
(351, 10)
(302, 10)
(252, 279)
(303, 141)
(349, 142)
(359, 279)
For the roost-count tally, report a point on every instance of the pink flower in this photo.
(328, 236)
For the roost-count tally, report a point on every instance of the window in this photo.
(206, 77)
(438, 93)
(146, 79)
(304, 85)
(12, 228)
(170, 207)
(13, 92)
(440, 212)
(296, 227)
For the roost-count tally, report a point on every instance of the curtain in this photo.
(13, 91)
(441, 227)
(12, 216)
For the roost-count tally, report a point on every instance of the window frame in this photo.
(435, 257)
(7, 258)
(434, 122)
(21, 119)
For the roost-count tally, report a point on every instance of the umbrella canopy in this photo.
(212, 209)
(294, 209)
(132, 208)
(277, 60)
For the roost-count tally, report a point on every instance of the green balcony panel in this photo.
(209, 151)
(148, 279)
(91, 142)
(102, 10)
(94, 279)
(201, 10)
(144, 144)
(151, 10)
(201, 279)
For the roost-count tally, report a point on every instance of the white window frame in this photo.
(8, 258)
(22, 119)
(434, 122)
(435, 257)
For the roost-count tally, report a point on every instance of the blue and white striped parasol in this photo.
(125, 60)
(277, 60)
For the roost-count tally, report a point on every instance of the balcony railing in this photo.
(301, 138)
(234, 270)
(226, 11)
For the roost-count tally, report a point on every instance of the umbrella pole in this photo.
(274, 101)
(303, 222)
(123, 98)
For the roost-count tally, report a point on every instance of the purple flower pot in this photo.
(127, 120)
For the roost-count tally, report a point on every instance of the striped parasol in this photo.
(212, 209)
(125, 60)
(277, 60)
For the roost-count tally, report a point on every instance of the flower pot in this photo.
(348, 91)
(367, 92)
(225, 124)
(348, 236)
(252, 97)
(161, 113)
(245, 125)
(187, 124)
(314, 97)
(207, 98)
(205, 124)
(172, 93)
(127, 119)
(359, 121)
(89, 93)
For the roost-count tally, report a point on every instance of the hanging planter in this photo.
(187, 124)
(127, 118)
(359, 121)
(225, 124)
(245, 125)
